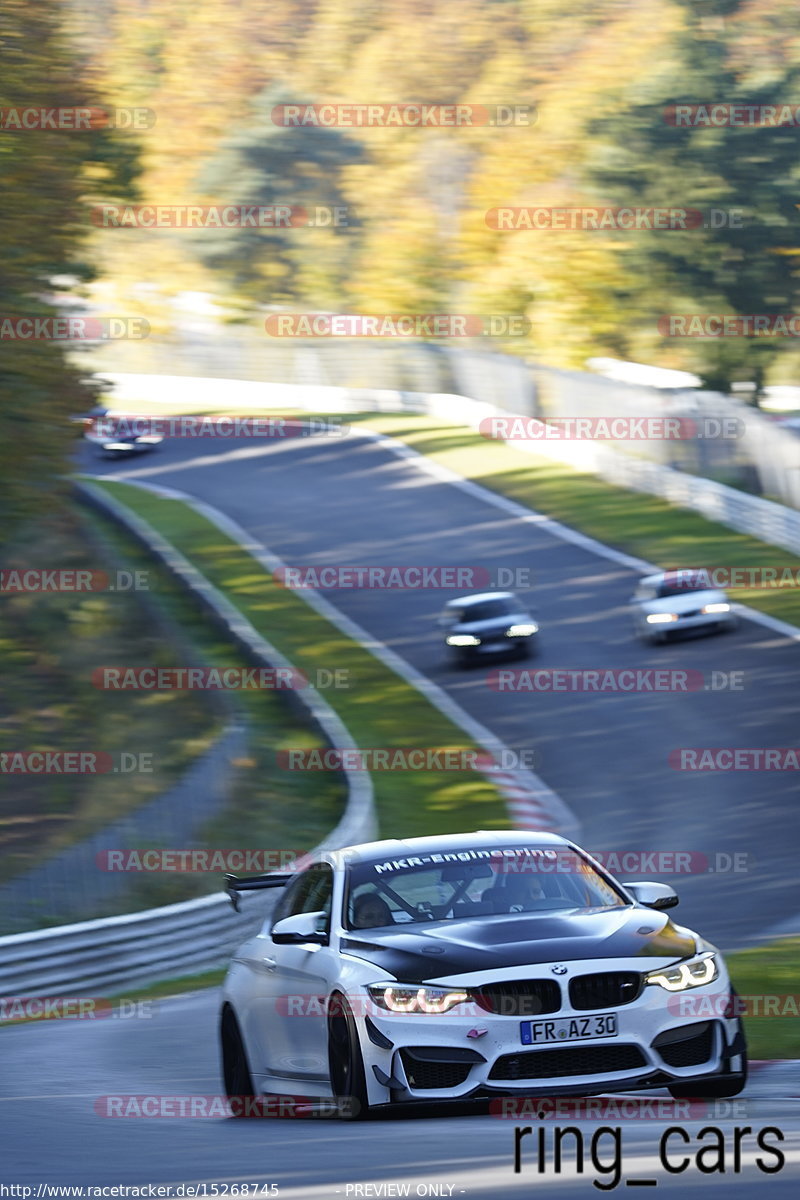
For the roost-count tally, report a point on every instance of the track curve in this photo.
(355, 503)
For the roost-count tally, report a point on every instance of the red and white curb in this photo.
(530, 807)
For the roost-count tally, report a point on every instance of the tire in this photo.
(346, 1063)
(235, 1067)
(719, 1087)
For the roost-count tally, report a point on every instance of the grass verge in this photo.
(768, 976)
(379, 709)
(50, 643)
(267, 808)
(642, 525)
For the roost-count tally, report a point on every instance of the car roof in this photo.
(448, 843)
(686, 572)
(463, 601)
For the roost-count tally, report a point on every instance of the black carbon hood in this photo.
(522, 939)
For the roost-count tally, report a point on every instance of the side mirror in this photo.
(652, 895)
(300, 930)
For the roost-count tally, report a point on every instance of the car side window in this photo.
(311, 891)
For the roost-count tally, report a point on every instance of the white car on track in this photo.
(475, 965)
(675, 602)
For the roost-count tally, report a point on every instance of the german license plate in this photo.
(546, 1032)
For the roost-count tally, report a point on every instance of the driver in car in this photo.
(370, 911)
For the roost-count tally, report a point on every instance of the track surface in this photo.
(351, 502)
(54, 1074)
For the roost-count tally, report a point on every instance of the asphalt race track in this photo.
(344, 502)
(53, 1132)
(353, 503)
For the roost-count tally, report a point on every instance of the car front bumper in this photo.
(481, 1054)
(698, 621)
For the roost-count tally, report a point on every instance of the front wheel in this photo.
(346, 1063)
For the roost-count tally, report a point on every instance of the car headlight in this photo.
(411, 998)
(522, 630)
(694, 973)
(661, 618)
(463, 639)
(715, 608)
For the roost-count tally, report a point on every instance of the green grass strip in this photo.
(633, 522)
(378, 707)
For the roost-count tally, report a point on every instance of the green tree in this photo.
(749, 175)
(265, 165)
(46, 174)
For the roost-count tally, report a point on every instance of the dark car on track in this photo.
(486, 625)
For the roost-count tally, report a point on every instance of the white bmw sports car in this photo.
(475, 965)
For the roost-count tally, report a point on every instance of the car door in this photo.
(292, 1020)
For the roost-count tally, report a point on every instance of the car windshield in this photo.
(681, 587)
(487, 609)
(480, 882)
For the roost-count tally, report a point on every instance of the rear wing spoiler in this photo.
(253, 883)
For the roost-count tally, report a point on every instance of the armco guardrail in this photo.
(104, 956)
(112, 953)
